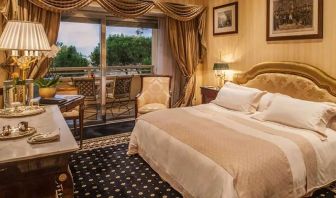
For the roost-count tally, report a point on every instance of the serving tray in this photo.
(21, 111)
(15, 133)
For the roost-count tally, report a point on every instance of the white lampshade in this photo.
(27, 36)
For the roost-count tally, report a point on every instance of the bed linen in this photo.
(209, 151)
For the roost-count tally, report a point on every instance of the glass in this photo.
(128, 46)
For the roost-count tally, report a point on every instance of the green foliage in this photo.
(68, 56)
(47, 82)
(125, 50)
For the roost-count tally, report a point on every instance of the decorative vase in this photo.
(47, 92)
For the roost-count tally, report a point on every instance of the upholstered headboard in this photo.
(297, 80)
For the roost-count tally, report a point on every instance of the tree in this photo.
(125, 50)
(68, 56)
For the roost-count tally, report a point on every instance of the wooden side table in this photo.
(209, 94)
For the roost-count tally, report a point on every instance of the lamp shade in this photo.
(221, 66)
(20, 35)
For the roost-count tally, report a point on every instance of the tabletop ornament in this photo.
(18, 110)
(21, 130)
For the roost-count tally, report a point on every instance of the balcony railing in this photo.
(110, 71)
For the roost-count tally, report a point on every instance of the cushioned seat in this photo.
(151, 107)
(155, 94)
(71, 114)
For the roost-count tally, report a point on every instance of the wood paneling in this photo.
(250, 47)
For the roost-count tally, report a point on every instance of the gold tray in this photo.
(15, 134)
(22, 111)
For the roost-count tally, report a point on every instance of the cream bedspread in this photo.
(208, 151)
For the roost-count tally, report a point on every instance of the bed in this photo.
(210, 151)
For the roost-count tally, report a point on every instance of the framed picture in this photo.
(225, 19)
(294, 19)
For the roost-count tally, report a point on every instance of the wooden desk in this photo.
(31, 170)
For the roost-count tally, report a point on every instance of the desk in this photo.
(31, 170)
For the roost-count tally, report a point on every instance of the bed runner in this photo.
(259, 167)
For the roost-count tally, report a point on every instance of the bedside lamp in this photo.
(26, 41)
(220, 69)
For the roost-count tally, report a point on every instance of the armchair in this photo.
(155, 94)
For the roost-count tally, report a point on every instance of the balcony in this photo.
(106, 112)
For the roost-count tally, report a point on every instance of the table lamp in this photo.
(26, 41)
(220, 69)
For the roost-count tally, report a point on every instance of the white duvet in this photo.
(200, 177)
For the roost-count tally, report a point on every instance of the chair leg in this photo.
(80, 133)
(75, 127)
(97, 112)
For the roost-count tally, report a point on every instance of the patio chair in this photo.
(87, 88)
(155, 94)
(121, 96)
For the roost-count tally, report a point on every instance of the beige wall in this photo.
(249, 46)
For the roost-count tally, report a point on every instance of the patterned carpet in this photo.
(102, 169)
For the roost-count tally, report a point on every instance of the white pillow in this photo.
(239, 100)
(265, 101)
(298, 113)
(332, 122)
(241, 87)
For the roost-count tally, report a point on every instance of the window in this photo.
(77, 42)
(128, 43)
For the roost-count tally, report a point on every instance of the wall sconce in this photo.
(220, 72)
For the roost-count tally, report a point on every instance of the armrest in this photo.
(136, 104)
(138, 95)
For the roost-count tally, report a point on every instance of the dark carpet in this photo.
(109, 172)
(108, 129)
(102, 169)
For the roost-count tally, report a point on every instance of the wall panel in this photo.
(249, 46)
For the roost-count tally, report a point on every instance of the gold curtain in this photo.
(23, 10)
(61, 5)
(180, 12)
(186, 40)
(126, 8)
(4, 8)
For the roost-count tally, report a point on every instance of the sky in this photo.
(85, 36)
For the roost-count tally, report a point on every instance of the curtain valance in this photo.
(126, 8)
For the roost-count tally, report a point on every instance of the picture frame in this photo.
(294, 19)
(225, 19)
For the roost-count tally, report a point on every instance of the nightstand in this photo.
(209, 94)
